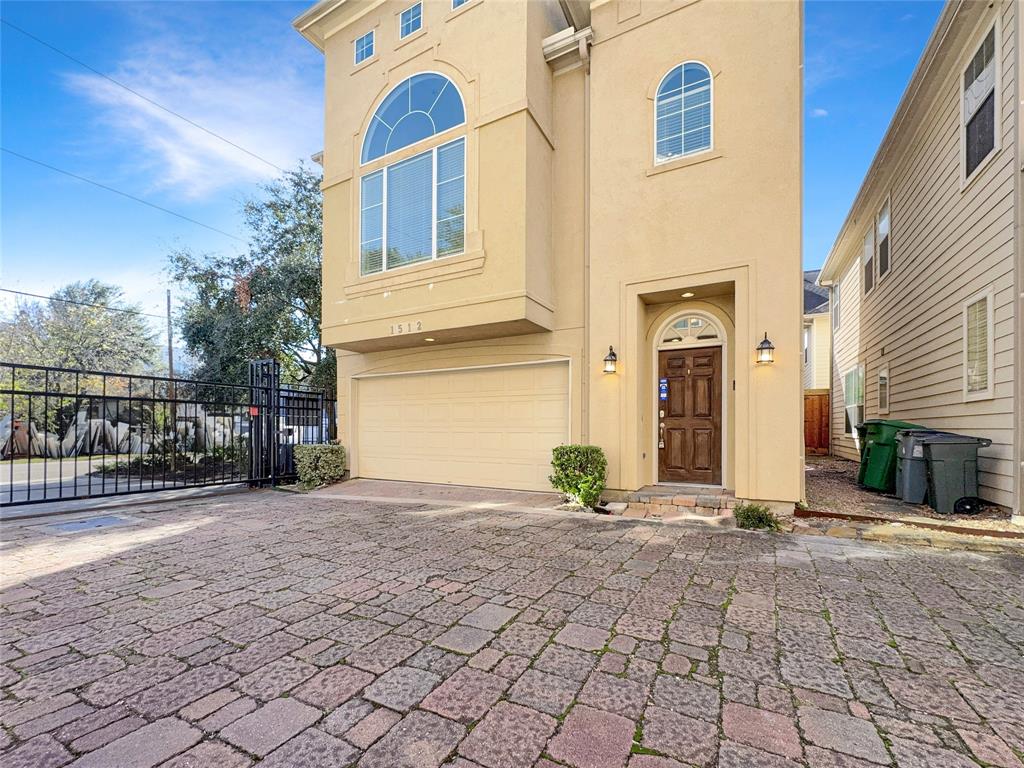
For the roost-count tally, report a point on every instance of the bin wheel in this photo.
(968, 505)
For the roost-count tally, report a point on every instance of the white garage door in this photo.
(493, 427)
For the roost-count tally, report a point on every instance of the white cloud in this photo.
(256, 97)
(819, 112)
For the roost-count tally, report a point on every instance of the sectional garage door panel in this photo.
(493, 427)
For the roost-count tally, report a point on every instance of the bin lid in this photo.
(951, 438)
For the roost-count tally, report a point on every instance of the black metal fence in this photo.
(68, 434)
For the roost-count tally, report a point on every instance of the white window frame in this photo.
(982, 394)
(883, 374)
(867, 253)
(356, 61)
(383, 170)
(807, 343)
(711, 131)
(878, 243)
(836, 306)
(978, 38)
(458, 4)
(859, 367)
(401, 21)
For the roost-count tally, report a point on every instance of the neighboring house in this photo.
(817, 339)
(925, 273)
(514, 191)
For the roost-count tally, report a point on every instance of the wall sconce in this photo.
(610, 360)
(765, 351)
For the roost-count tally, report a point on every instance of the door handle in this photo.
(661, 434)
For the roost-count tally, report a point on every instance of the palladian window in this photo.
(682, 112)
(691, 330)
(413, 210)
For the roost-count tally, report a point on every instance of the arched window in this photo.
(416, 109)
(413, 210)
(691, 329)
(682, 112)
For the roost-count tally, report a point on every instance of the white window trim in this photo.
(654, 122)
(456, 4)
(401, 35)
(355, 47)
(977, 38)
(846, 405)
(878, 262)
(874, 262)
(883, 373)
(988, 392)
(836, 305)
(383, 170)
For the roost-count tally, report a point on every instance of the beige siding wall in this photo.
(816, 366)
(949, 243)
(847, 350)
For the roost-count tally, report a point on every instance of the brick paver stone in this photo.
(372, 727)
(270, 726)
(401, 688)
(466, 696)
(733, 755)
(420, 740)
(843, 733)
(277, 678)
(511, 736)
(583, 637)
(332, 687)
(762, 729)
(463, 639)
(590, 738)
(489, 616)
(209, 754)
(40, 752)
(385, 653)
(687, 697)
(914, 754)
(679, 736)
(545, 692)
(311, 749)
(614, 694)
(146, 747)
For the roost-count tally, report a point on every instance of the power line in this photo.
(83, 303)
(119, 192)
(148, 100)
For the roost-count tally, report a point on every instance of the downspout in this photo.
(1018, 274)
(587, 370)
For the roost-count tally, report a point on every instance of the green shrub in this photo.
(756, 516)
(579, 472)
(319, 464)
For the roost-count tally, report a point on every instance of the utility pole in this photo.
(170, 339)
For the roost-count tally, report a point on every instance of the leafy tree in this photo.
(264, 303)
(63, 334)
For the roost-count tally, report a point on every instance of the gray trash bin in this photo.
(911, 467)
(952, 469)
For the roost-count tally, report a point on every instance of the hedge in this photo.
(579, 472)
(319, 464)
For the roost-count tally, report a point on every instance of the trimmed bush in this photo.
(579, 472)
(319, 464)
(756, 516)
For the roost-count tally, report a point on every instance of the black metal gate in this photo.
(69, 434)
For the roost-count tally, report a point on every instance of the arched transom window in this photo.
(416, 109)
(413, 210)
(691, 329)
(682, 112)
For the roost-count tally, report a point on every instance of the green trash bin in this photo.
(952, 469)
(878, 453)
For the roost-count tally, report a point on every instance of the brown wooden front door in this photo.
(690, 418)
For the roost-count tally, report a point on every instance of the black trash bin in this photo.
(911, 466)
(952, 469)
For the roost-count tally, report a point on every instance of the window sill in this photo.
(973, 397)
(364, 64)
(461, 10)
(684, 162)
(411, 38)
(968, 181)
(445, 268)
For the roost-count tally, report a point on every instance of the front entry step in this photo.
(713, 507)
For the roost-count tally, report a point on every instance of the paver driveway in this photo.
(306, 631)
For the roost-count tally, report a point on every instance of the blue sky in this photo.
(239, 69)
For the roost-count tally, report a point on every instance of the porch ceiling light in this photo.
(688, 295)
(765, 351)
(610, 360)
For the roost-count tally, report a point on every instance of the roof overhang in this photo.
(328, 16)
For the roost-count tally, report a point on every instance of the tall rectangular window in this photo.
(836, 314)
(979, 104)
(868, 261)
(414, 210)
(364, 47)
(978, 355)
(882, 239)
(853, 397)
(410, 20)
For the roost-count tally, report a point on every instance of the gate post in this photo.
(264, 383)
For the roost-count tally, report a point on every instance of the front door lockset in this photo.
(661, 433)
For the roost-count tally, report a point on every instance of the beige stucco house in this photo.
(514, 191)
(925, 273)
